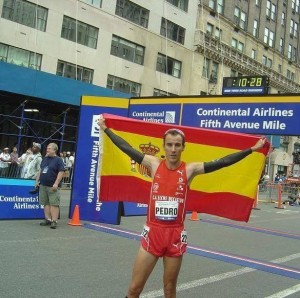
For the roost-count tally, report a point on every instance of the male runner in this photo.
(164, 234)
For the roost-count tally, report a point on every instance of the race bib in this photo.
(145, 232)
(165, 210)
(183, 237)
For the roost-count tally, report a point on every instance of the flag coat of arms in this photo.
(229, 192)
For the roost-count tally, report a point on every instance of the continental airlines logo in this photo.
(158, 117)
(146, 149)
(95, 130)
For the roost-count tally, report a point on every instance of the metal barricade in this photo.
(67, 178)
(279, 193)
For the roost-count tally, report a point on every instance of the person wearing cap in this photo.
(4, 162)
(164, 234)
(32, 165)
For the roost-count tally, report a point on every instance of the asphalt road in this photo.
(225, 258)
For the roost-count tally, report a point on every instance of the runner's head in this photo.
(175, 132)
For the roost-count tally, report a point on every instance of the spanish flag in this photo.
(229, 192)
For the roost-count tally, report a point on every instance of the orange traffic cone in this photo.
(75, 221)
(194, 216)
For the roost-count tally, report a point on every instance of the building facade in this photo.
(145, 48)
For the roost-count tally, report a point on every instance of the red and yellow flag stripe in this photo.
(228, 192)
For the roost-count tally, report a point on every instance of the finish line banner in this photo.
(267, 115)
(229, 192)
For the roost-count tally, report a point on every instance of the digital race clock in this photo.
(245, 85)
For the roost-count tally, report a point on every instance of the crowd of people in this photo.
(27, 165)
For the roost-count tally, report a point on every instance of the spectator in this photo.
(4, 162)
(22, 161)
(13, 168)
(49, 181)
(33, 162)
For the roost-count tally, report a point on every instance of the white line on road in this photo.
(286, 292)
(216, 278)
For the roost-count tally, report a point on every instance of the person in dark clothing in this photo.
(49, 182)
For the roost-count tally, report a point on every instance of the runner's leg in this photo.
(171, 271)
(143, 266)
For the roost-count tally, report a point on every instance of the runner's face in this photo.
(173, 148)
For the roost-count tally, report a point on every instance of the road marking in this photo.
(251, 228)
(222, 276)
(286, 292)
(208, 253)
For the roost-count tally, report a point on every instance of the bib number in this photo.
(183, 237)
(145, 232)
(165, 210)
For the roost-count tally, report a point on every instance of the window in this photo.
(267, 61)
(269, 37)
(240, 18)
(97, 3)
(253, 54)
(234, 43)
(182, 4)
(209, 29)
(294, 28)
(295, 5)
(87, 35)
(255, 28)
(292, 52)
(20, 57)
(281, 45)
(217, 5)
(241, 47)
(172, 31)
(122, 85)
(283, 18)
(290, 75)
(25, 13)
(76, 72)
(158, 92)
(273, 12)
(218, 33)
(127, 50)
(168, 65)
(132, 12)
(210, 70)
(237, 45)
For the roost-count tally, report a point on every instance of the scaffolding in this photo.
(23, 123)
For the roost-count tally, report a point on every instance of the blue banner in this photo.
(85, 186)
(16, 202)
(255, 118)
